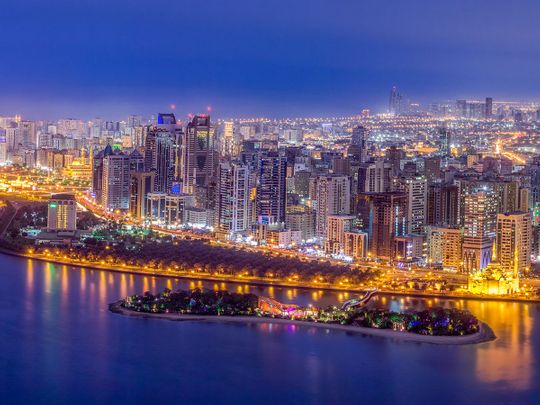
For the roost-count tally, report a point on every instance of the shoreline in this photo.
(485, 334)
(265, 283)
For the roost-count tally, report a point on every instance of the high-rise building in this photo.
(199, 156)
(442, 205)
(461, 107)
(160, 158)
(161, 152)
(136, 161)
(514, 242)
(385, 217)
(489, 108)
(506, 192)
(480, 215)
(97, 171)
(533, 172)
(357, 150)
(233, 206)
(142, 183)
(62, 212)
(228, 142)
(375, 177)
(432, 169)
(115, 182)
(301, 219)
(271, 198)
(416, 190)
(445, 141)
(330, 195)
(336, 226)
(28, 133)
(355, 245)
(445, 247)
(3, 150)
(394, 156)
(395, 102)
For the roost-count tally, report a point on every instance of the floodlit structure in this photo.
(62, 212)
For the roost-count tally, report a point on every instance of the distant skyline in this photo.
(258, 58)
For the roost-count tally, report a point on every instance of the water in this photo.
(60, 344)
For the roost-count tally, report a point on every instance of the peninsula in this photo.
(435, 326)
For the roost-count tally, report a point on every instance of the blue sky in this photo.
(251, 57)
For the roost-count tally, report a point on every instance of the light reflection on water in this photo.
(507, 363)
(507, 360)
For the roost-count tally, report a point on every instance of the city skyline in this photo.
(97, 59)
(322, 196)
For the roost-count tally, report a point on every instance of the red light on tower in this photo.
(209, 108)
(173, 106)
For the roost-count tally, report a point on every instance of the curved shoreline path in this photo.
(485, 334)
(260, 282)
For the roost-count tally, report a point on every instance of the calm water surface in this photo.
(60, 344)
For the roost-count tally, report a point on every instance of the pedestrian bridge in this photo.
(356, 302)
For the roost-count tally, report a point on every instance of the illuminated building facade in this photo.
(199, 156)
(445, 247)
(271, 198)
(387, 219)
(62, 213)
(233, 206)
(115, 182)
(141, 184)
(480, 211)
(355, 244)
(336, 227)
(514, 242)
(330, 195)
(416, 190)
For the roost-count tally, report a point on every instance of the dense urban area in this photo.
(436, 199)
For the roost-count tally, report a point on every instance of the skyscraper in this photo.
(3, 150)
(533, 171)
(358, 148)
(228, 141)
(28, 133)
(160, 158)
(199, 155)
(233, 211)
(375, 177)
(141, 184)
(271, 188)
(388, 219)
(444, 141)
(514, 242)
(394, 156)
(442, 205)
(115, 182)
(97, 172)
(489, 107)
(330, 195)
(416, 190)
(480, 210)
(161, 152)
(432, 169)
(394, 103)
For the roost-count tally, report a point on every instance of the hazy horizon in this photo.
(255, 58)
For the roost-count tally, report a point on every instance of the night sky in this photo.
(87, 58)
